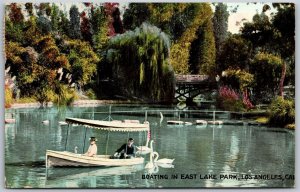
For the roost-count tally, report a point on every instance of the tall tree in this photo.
(55, 17)
(99, 20)
(44, 24)
(15, 14)
(203, 52)
(86, 27)
(74, 27)
(117, 22)
(284, 22)
(267, 70)
(64, 23)
(220, 23)
(199, 14)
(14, 23)
(260, 32)
(235, 54)
(276, 36)
(29, 8)
(135, 15)
(139, 62)
(83, 61)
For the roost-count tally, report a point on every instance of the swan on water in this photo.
(161, 118)
(150, 164)
(163, 160)
(154, 169)
(153, 164)
(201, 122)
(62, 123)
(46, 122)
(165, 165)
(188, 123)
(75, 149)
(145, 149)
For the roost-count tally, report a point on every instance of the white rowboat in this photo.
(69, 159)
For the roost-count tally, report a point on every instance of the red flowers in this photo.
(228, 94)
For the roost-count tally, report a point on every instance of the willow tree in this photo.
(140, 64)
(180, 21)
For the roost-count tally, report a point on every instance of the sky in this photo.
(244, 11)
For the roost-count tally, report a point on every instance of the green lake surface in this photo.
(205, 156)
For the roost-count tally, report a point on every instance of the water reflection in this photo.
(200, 150)
(73, 173)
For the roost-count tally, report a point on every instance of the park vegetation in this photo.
(62, 53)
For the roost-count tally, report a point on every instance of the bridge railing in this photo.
(191, 78)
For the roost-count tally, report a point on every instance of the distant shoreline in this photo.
(77, 103)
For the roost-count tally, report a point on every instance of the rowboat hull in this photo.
(68, 159)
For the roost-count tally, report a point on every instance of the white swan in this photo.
(62, 123)
(201, 122)
(215, 122)
(46, 122)
(150, 165)
(161, 118)
(161, 161)
(75, 149)
(145, 149)
(165, 165)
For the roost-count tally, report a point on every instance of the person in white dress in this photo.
(92, 151)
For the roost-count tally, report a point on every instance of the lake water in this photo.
(244, 156)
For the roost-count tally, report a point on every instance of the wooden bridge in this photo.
(189, 86)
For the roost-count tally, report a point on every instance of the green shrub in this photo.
(232, 105)
(64, 96)
(44, 95)
(91, 94)
(282, 112)
(290, 126)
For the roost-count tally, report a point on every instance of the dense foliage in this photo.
(267, 71)
(189, 26)
(220, 24)
(236, 53)
(41, 55)
(229, 100)
(59, 54)
(262, 55)
(282, 112)
(140, 64)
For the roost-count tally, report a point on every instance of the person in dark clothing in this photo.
(127, 150)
